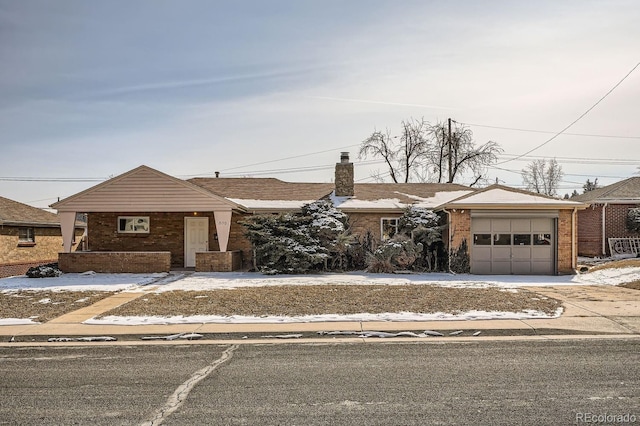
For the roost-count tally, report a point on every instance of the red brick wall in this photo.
(590, 228)
(166, 233)
(115, 262)
(215, 261)
(616, 221)
(590, 231)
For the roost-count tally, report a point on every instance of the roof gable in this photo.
(15, 213)
(625, 190)
(499, 196)
(144, 189)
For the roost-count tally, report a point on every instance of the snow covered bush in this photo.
(425, 227)
(317, 238)
(398, 253)
(49, 270)
(633, 220)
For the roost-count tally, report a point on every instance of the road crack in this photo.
(181, 393)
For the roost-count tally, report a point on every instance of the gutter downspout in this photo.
(450, 239)
(604, 219)
(573, 239)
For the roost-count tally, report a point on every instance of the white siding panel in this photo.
(144, 190)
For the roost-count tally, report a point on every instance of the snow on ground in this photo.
(88, 281)
(213, 281)
(396, 316)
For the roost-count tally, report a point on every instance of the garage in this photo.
(506, 231)
(513, 245)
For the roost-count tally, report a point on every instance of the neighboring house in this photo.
(146, 220)
(606, 217)
(28, 237)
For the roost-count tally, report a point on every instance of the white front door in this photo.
(196, 238)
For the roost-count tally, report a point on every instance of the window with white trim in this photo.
(388, 228)
(26, 237)
(133, 224)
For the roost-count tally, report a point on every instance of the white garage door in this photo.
(512, 246)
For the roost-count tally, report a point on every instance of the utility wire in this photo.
(577, 119)
(549, 132)
(273, 161)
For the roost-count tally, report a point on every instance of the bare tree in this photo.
(465, 155)
(402, 157)
(430, 153)
(543, 176)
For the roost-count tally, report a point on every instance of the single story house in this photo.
(29, 237)
(146, 220)
(603, 225)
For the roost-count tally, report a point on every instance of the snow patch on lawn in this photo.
(386, 317)
(79, 282)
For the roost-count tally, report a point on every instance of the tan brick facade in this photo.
(459, 229)
(16, 258)
(565, 242)
(361, 223)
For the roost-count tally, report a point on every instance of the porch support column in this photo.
(223, 227)
(68, 227)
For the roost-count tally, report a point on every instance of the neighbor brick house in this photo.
(146, 220)
(606, 216)
(28, 237)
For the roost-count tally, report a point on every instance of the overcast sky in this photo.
(91, 89)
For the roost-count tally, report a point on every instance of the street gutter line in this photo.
(182, 392)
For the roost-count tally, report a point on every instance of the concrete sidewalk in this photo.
(589, 310)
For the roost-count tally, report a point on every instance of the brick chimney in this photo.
(344, 176)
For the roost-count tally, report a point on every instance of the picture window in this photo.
(133, 224)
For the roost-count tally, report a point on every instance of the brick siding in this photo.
(565, 260)
(16, 259)
(115, 262)
(590, 228)
(216, 261)
(166, 233)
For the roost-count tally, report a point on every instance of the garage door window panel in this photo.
(542, 240)
(501, 239)
(482, 239)
(522, 239)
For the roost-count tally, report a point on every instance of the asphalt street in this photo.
(486, 382)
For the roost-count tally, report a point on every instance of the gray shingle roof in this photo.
(276, 189)
(628, 189)
(15, 213)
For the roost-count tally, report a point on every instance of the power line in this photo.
(575, 160)
(274, 161)
(50, 179)
(550, 132)
(579, 118)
